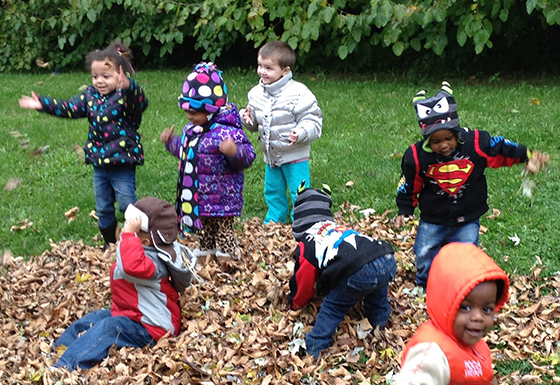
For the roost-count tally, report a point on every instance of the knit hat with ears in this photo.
(438, 112)
(204, 89)
(159, 219)
(311, 206)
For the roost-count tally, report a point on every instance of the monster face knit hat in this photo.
(438, 112)
(204, 89)
(311, 206)
(159, 219)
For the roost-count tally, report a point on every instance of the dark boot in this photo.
(109, 233)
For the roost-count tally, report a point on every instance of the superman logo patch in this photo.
(451, 176)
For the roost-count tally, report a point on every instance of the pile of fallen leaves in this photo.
(237, 327)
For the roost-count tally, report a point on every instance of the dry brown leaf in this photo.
(79, 152)
(72, 213)
(237, 326)
(12, 184)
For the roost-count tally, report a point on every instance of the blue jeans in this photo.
(110, 184)
(276, 181)
(370, 284)
(430, 238)
(101, 332)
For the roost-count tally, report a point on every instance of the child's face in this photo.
(269, 70)
(105, 78)
(145, 238)
(197, 118)
(443, 142)
(476, 313)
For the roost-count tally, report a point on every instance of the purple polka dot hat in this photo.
(204, 89)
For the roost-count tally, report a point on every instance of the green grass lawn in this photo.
(368, 123)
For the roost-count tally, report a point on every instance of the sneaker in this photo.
(236, 255)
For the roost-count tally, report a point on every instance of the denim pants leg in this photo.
(369, 284)
(430, 238)
(376, 304)
(275, 195)
(110, 185)
(100, 332)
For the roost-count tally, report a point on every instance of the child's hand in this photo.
(247, 116)
(293, 137)
(228, 147)
(132, 225)
(31, 102)
(167, 135)
(399, 221)
(123, 80)
(537, 162)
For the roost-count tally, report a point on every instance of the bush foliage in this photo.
(61, 32)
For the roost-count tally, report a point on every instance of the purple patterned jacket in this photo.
(220, 177)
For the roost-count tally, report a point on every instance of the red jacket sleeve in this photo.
(133, 259)
(302, 283)
(498, 150)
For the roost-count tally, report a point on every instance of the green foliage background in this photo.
(351, 34)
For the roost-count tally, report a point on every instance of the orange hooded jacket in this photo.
(455, 271)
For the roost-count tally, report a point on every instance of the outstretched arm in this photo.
(30, 102)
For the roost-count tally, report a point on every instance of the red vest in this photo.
(467, 364)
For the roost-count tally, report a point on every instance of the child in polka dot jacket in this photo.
(113, 105)
(213, 152)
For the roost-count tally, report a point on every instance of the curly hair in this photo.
(115, 55)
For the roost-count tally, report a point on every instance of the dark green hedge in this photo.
(341, 35)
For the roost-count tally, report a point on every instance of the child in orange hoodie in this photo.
(466, 288)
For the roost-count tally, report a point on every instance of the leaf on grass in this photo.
(22, 140)
(535, 101)
(12, 184)
(515, 239)
(38, 151)
(93, 215)
(79, 152)
(350, 183)
(72, 213)
(495, 214)
(25, 224)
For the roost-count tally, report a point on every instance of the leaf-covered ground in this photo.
(237, 327)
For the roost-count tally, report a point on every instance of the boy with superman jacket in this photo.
(444, 175)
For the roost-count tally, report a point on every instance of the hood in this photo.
(455, 271)
(228, 116)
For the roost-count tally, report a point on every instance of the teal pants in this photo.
(278, 180)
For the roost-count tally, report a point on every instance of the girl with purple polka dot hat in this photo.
(213, 153)
(204, 89)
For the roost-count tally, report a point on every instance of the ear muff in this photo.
(327, 189)
(301, 187)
